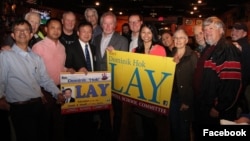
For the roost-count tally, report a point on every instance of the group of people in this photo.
(210, 82)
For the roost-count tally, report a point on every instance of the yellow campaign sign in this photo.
(142, 80)
(83, 93)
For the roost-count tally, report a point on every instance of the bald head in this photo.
(199, 36)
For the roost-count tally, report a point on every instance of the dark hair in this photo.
(136, 14)
(84, 23)
(67, 90)
(155, 39)
(53, 19)
(125, 24)
(167, 32)
(20, 22)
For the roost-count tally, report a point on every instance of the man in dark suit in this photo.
(68, 95)
(79, 57)
(109, 40)
(76, 53)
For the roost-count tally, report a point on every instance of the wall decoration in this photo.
(197, 22)
(189, 21)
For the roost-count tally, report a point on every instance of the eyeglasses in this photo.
(179, 38)
(22, 30)
(134, 22)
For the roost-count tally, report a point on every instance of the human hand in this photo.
(198, 54)
(4, 105)
(184, 107)
(84, 70)
(110, 48)
(176, 59)
(243, 120)
(71, 70)
(44, 100)
(214, 113)
(60, 99)
(237, 45)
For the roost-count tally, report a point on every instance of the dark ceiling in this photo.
(148, 7)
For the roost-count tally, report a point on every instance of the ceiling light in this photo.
(97, 3)
(195, 8)
(199, 1)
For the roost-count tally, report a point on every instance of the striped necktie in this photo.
(88, 61)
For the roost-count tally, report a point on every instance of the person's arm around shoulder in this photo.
(243, 119)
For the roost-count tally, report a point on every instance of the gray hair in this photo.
(109, 13)
(68, 12)
(91, 9)
(181, 30)
(27, 15)
(216, 21)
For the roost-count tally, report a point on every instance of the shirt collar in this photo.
(83, 43)
(108, 36)
(18, 50)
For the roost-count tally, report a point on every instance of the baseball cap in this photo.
(239, 26)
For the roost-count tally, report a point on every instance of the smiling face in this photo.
(69, 21)
(237, 34)
(212, 33)
(167, 40)
(180, 39)
(54, 30)
(108, 24)
(68, 93)
(92, 17)
(135, 23)
(22, 34)
(34, 19)
(146, 35)
(85, 33)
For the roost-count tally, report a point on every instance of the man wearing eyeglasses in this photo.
(22, 74)
(34, 19)
(135, 22)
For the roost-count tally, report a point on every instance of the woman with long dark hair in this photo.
(148, 42)
(147, 127)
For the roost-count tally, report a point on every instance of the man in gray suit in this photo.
(109, 40)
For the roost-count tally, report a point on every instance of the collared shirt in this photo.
(134, 43)
(54, 57)
(83, 45)
(21, 75)
(104, 43)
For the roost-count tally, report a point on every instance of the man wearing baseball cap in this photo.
(240, 40)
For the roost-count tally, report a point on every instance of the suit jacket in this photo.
(75, 57)
(71, 99)
(117, 41)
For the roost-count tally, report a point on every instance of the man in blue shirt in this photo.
(22, 74)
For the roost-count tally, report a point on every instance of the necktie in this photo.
(88, 61)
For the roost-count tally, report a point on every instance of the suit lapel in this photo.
(80, 50)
